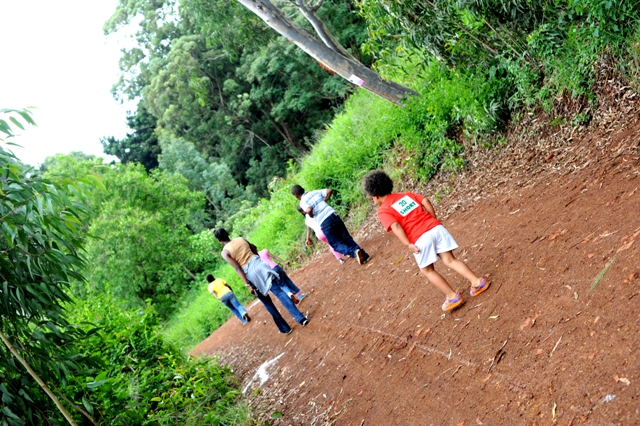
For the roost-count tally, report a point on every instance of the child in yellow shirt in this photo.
(221, 290)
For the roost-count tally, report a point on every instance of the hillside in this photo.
(548, 217)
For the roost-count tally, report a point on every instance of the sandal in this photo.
(476, 290)
(451, 304)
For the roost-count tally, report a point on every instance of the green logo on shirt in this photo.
(405, 205)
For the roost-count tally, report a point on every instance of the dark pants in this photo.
(271, 308)
(286, 280)
(338, 236)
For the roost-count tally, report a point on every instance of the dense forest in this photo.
(102, 268)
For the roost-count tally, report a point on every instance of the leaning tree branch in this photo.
(321, 29)
(37, 378)
(342, 65)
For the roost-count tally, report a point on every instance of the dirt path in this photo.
(537, 348)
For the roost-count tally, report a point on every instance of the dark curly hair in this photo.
(377, 184)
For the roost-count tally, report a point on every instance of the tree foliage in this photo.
(142, 227)
(210, 74)
(141, 379)
(529, 42)
(140, 146)
(43, 224)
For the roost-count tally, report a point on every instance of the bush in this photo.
(145, 380)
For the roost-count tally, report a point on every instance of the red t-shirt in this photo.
(406, 209)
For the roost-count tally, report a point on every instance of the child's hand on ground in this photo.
(413, 248)
(308, 243)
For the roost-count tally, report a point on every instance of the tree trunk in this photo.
(345, 67)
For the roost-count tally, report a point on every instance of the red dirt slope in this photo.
(547, 224)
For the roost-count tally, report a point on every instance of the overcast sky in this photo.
(55, 57)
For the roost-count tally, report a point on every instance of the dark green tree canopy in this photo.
(140, 146)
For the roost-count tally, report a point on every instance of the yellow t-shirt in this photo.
(219, 287)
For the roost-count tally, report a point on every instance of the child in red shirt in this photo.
(412, 219)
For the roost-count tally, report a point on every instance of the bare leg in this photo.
(460, 267)
(438, 280)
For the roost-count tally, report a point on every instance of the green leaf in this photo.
(276, 415)
(16, 122)
(87, 404)
(96, 384)
(9, 413)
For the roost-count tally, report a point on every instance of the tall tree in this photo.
(213, 178)
(140, 146)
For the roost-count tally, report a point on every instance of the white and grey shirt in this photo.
(315, 200)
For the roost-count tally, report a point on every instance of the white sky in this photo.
(55, 57)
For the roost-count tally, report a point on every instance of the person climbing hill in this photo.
(289, 286)
(221, 290)
(258, 277)
(312, 225)
(412, 219)
(314, 204)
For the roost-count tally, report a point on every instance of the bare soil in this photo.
(552, 218)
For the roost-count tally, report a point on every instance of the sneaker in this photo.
(360, 256)
(451, 304)
(301, 296)
(294, 298)
(287, 332)
(476, 290)
(304, 322)
(342, 261)
(247, 318)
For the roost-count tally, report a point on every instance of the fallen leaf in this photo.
(626, 246)
(592, 356)
(411, 349)
(539, 352)
(494, 317)
(487, 378)
(622, 379)
(590, 255)
(525, 324)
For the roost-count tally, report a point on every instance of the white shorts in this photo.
(431, 243)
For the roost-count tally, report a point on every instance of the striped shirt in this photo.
(315, 200)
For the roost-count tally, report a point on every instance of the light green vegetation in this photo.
(139, 378)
